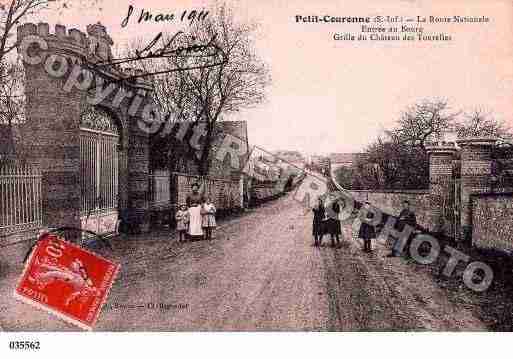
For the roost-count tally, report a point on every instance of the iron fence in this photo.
(20, 198)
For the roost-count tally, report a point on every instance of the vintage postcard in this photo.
(249, 166)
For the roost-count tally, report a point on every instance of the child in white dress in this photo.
(182, 222)
(208, 212)
(195, 230)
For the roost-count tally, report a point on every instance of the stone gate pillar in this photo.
(441, 187)
(476, 171)
(138, 176)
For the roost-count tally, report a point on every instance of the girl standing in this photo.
(333, 224)
(318, 225)
(182, 222)
(208, 218)
(367, 232)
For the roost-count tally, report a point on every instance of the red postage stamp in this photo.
(67, 281)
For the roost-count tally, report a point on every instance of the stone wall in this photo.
(492, 226)
(390, 202)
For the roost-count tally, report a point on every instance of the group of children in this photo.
(196, 221)
(322, 225)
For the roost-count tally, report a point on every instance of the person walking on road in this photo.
(406, 217)
(367, 231)
(318, 222)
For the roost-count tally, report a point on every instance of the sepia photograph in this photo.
(243, 167)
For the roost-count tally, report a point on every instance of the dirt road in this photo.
(262, 273)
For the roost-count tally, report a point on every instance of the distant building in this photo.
(341, 159)
(320, 164)
(238, 129)
(293, 157)
(319, 160)
(338, 160)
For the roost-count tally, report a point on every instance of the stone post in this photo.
(138, 177)
(476, 171)
(441, 187)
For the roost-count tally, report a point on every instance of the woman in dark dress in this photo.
(333, 224)
(318, 223)
(195, 198)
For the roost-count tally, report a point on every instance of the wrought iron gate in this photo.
(99, 138)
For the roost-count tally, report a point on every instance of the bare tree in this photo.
(12, 98)
(11, 15)
(201, 92)
(481, 123)
(399, 159)
(391, 164)
(423, 121)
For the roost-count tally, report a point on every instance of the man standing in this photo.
(406, 217)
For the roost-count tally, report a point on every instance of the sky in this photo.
(337, 96)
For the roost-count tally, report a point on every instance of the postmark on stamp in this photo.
(67, 281)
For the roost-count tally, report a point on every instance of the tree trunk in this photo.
(204, 161)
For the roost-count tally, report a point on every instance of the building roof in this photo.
(342, 157)
(236, 128)
(345, 158)
(290, 156)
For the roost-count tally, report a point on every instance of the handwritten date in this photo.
(147, 16)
